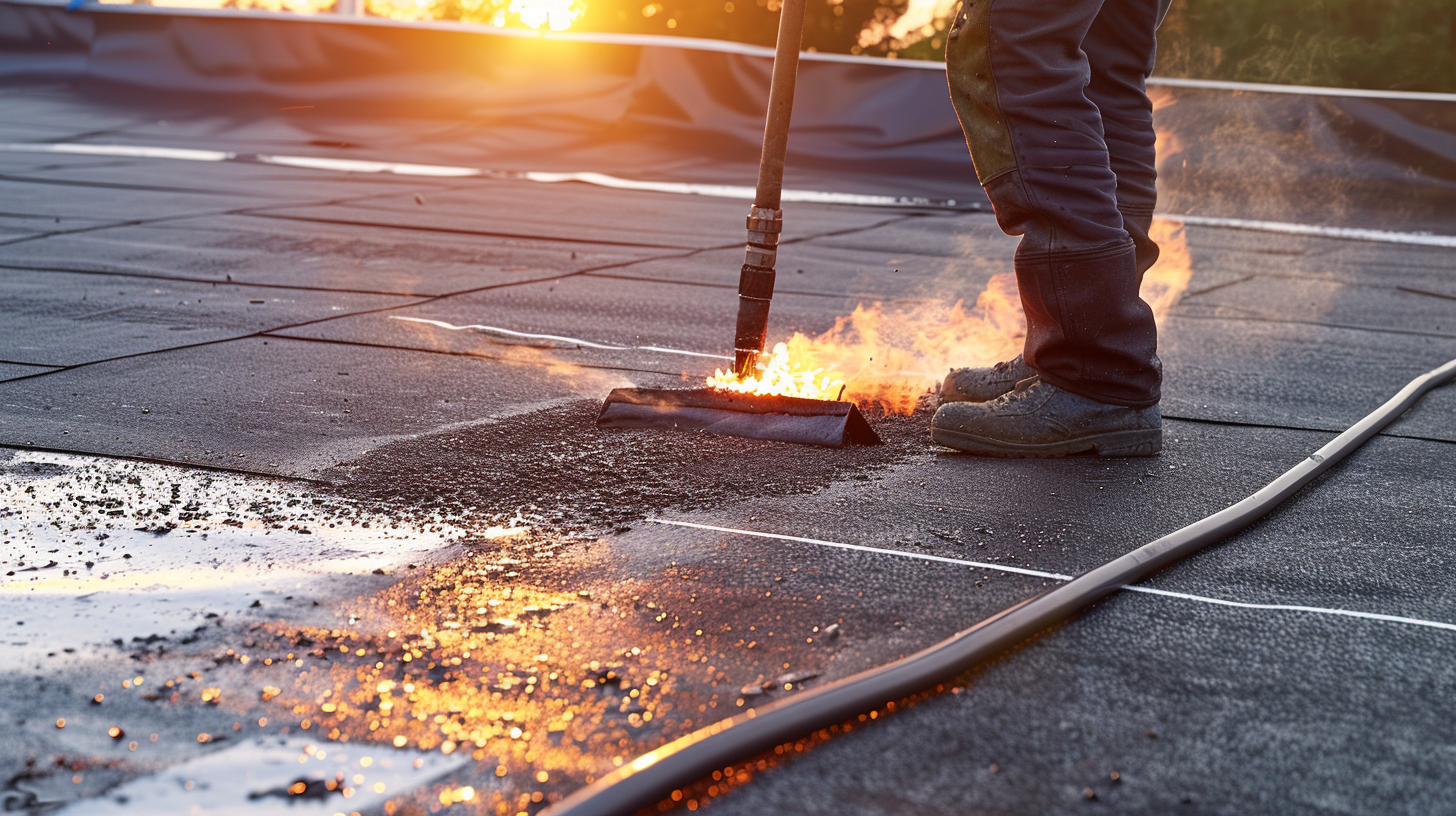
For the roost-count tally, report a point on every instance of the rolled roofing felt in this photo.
(779, 419)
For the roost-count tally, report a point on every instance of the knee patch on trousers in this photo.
(973, 91)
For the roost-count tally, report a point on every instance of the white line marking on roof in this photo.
(1352, 233)
(359, 166)
(559, 338)
(809, 196)
(1317, 610)
(689, 188)
(731, 190)
(1302, 90)
(131, 151)
(861, 548)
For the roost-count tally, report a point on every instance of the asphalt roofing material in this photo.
(313, 323)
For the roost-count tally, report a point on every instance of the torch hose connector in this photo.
(756, 287)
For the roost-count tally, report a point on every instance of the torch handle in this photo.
(780, 105)
(766, 219)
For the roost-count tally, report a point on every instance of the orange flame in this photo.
(781, 377)
(1164, 283)
(892, 356)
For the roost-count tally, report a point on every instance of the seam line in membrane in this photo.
(691, 188)
(1318, 610)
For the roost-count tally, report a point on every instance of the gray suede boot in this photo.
(984, 384)
(1038, 419)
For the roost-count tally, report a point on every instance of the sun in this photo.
(557, 15)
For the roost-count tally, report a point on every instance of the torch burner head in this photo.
(776, 418)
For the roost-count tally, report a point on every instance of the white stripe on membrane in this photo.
(557, 337)
(689, 188)
(1317, 610)
(129, 151)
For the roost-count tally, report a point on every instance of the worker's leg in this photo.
(1017, 74)
(1120, 48)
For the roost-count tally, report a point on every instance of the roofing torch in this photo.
(766, 219)
(774, 417)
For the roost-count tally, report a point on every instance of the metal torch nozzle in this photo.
(756, 286)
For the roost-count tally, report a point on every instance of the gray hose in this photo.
(653, 776)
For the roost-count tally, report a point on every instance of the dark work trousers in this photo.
(1052, 97)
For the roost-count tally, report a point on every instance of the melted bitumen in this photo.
(557, 469)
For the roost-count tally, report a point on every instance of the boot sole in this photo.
(1143, 442)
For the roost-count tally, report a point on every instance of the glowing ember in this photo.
(782, 376)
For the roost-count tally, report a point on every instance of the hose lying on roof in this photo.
(654, 776)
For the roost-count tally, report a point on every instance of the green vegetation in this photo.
(830, 26)
(1382, 44)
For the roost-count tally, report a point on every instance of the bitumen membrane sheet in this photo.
(303, 488)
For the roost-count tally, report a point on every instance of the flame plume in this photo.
(1164, 283)
(892, 356)
(889, 356)
(783, 377)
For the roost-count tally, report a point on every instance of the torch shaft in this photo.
(766, 219)
(780, 105)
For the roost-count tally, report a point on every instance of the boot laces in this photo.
(1005, 364)
(1023, 389)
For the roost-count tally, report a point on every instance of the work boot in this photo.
(1038, 420)
(984, 384)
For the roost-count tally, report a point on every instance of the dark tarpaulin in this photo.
(685, 110)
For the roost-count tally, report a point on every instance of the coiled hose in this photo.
(653, 776)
